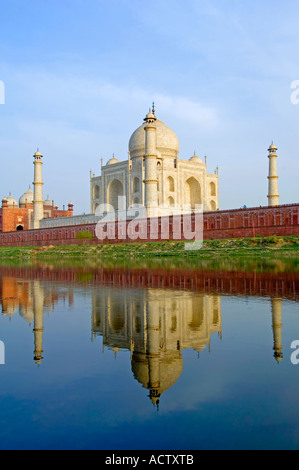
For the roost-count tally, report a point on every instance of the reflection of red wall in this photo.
(241, 223)
(217, 282)
(13, 294)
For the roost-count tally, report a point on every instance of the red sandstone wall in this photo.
(241, 223)
(62, 213)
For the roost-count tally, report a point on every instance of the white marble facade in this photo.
(154, 173)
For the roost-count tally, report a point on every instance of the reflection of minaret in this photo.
(38, 294)
(277, 328)
(153, 351)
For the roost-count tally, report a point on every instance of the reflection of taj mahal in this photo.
(154, 324)
(156, 327)
(154, 175)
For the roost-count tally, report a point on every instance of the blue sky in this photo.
(80, 76)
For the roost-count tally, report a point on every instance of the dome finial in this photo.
(153, 110)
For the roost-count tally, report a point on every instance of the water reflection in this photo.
(154, 315)
(31, 299)
(155, 327)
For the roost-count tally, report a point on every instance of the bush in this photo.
(274, 239)
(84, 236)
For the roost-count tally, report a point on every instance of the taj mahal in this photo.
(153, 179)
(154, 176)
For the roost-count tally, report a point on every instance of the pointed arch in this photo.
(114, 191)
(192, 192)
(170, 184)
(212, 189)
(96, 192)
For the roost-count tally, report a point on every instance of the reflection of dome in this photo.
(195, 159)
(278, 356)
(11, 201)
(168, 367)
(112, 161)
(167, 141)
(27, 313)
(27, 198)
(11, 308)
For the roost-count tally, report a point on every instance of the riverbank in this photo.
(270, 247)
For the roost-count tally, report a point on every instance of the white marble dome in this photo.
(27, 197)
(48, 202)
(11, 201)
(112, 161)
(195, 159)
(167, 141)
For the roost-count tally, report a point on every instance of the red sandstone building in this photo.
(16, 216)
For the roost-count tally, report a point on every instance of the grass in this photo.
(288, 247)
(272, 254)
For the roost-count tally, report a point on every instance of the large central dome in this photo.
(167, 141)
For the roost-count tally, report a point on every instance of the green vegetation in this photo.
(273, 253)
(84, 235)
(270, 247)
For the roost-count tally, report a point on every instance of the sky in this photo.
(80, 75)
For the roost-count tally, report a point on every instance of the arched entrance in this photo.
(213, 205)
(136, 185)
(20, 228)
(170, 202)
(96, 192)
(115, 190)
(192, 192)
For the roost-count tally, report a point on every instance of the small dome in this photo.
(11, 201)
(38, 154)
(48, 202)
(195, 159)
(27, 197)
(272, 148)
(112, 161)
(150, 116)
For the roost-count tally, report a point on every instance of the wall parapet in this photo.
(238, 223)
(84, 219)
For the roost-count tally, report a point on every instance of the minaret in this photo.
(277, 328)
(273, 196)
(150, 159)
(38, 200)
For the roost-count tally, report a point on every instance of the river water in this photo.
(148, 358)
